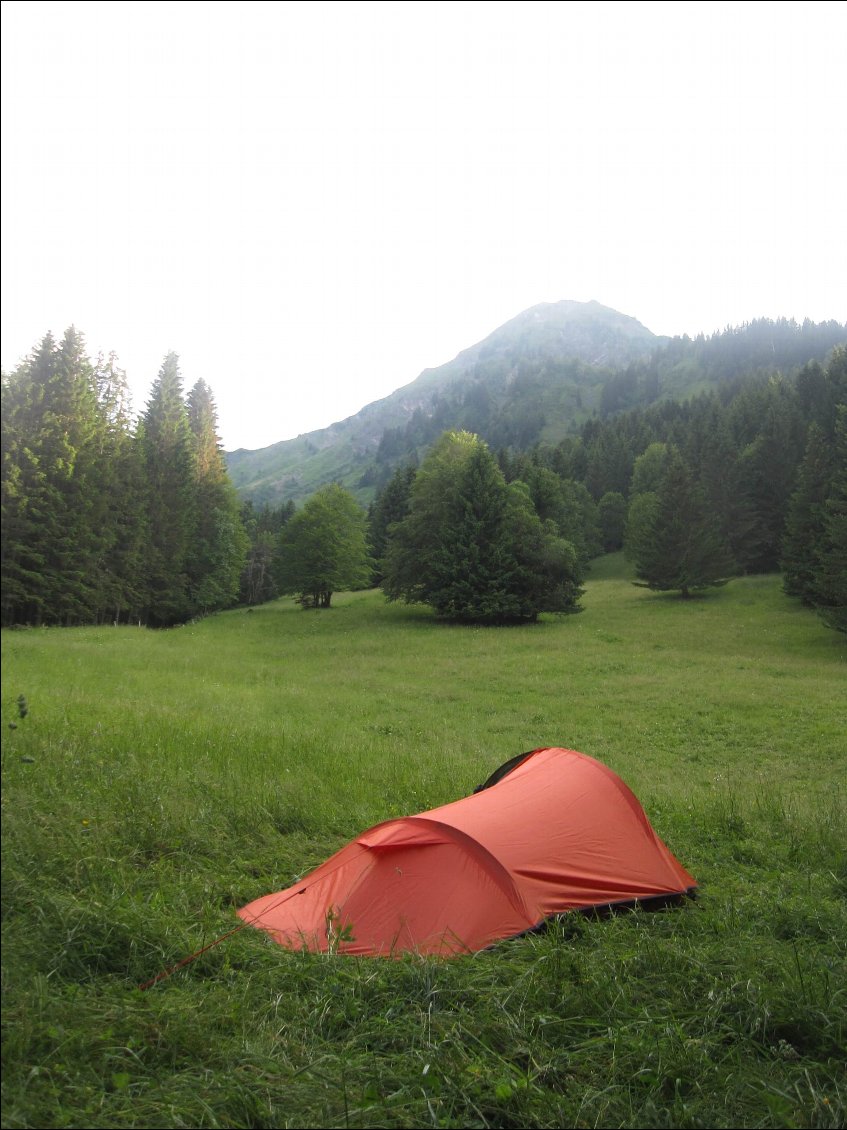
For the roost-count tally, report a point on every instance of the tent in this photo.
(551, 831)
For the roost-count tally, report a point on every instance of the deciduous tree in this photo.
(323, 547)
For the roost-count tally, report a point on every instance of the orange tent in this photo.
(551, 831)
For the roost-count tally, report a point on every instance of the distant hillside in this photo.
(535, 379)
(570, 347)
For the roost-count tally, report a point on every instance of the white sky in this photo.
(312, 202)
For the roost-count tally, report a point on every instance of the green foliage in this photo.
(102, 523)
(641, 518)
(806, 523)
(547, 570)
(682, 549)
(172, 505)
(768, 418)
(323, 547)
(263, 526)
(831, 578)
(163, 779)
(649, 469)
(611, 514)
(474, 548)
(391, 506)
(814, 549)
(538, 379)
(53, 535)
(220, 543)
(557, 498)
(122, 578)
(713, 451)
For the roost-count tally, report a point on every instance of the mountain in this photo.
(536, 377)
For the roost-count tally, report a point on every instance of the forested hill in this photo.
(571, 347)
(536, 379)
(730, 447)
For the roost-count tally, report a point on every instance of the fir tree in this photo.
(474, 548)
(611, 513)
(578, 522)
(471, 574)
(26, 490)
(76, 554)
(806, 524)
(391, 506)
(831, 574)
(684, 549)
(121, 587)
(219, 545)
(727, 492)
(167, 445)
(52, 535)
(768, 465)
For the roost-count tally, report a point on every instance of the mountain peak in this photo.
(568, 345)
(582, 331)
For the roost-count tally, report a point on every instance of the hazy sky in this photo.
(312, 202)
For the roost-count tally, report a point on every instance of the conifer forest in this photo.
(110, 517)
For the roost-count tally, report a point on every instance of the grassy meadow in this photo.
(160, 780)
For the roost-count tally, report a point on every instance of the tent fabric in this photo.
(559, 832)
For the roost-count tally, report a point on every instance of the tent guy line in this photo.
(165, 973)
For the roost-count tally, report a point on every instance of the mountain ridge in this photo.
(596, 337)
(537, 378)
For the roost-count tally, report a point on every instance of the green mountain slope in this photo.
(552, 361)
(534, 380)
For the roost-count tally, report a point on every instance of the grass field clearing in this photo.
(160, 780)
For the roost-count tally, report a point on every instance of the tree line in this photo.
(513, 397)
(748, 480)
(106, 520)
(109, 521)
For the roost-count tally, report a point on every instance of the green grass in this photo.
(160, 780)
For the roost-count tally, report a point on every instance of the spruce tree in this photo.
(640, 524)
(52, 529)
(124, 502)
(579, 521)
(263, 527)
(547, 573)
(390, 507)
(649, 469)
(685, 550)
(171, 508)
(472, 569)
(831, 575)
(413, 558)
(82, 535)
(474, 548)
(219, 545)
(727, 492)
(768, 463)
(27, 492)
(609, 466)
(806, 527)
(611, 513)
